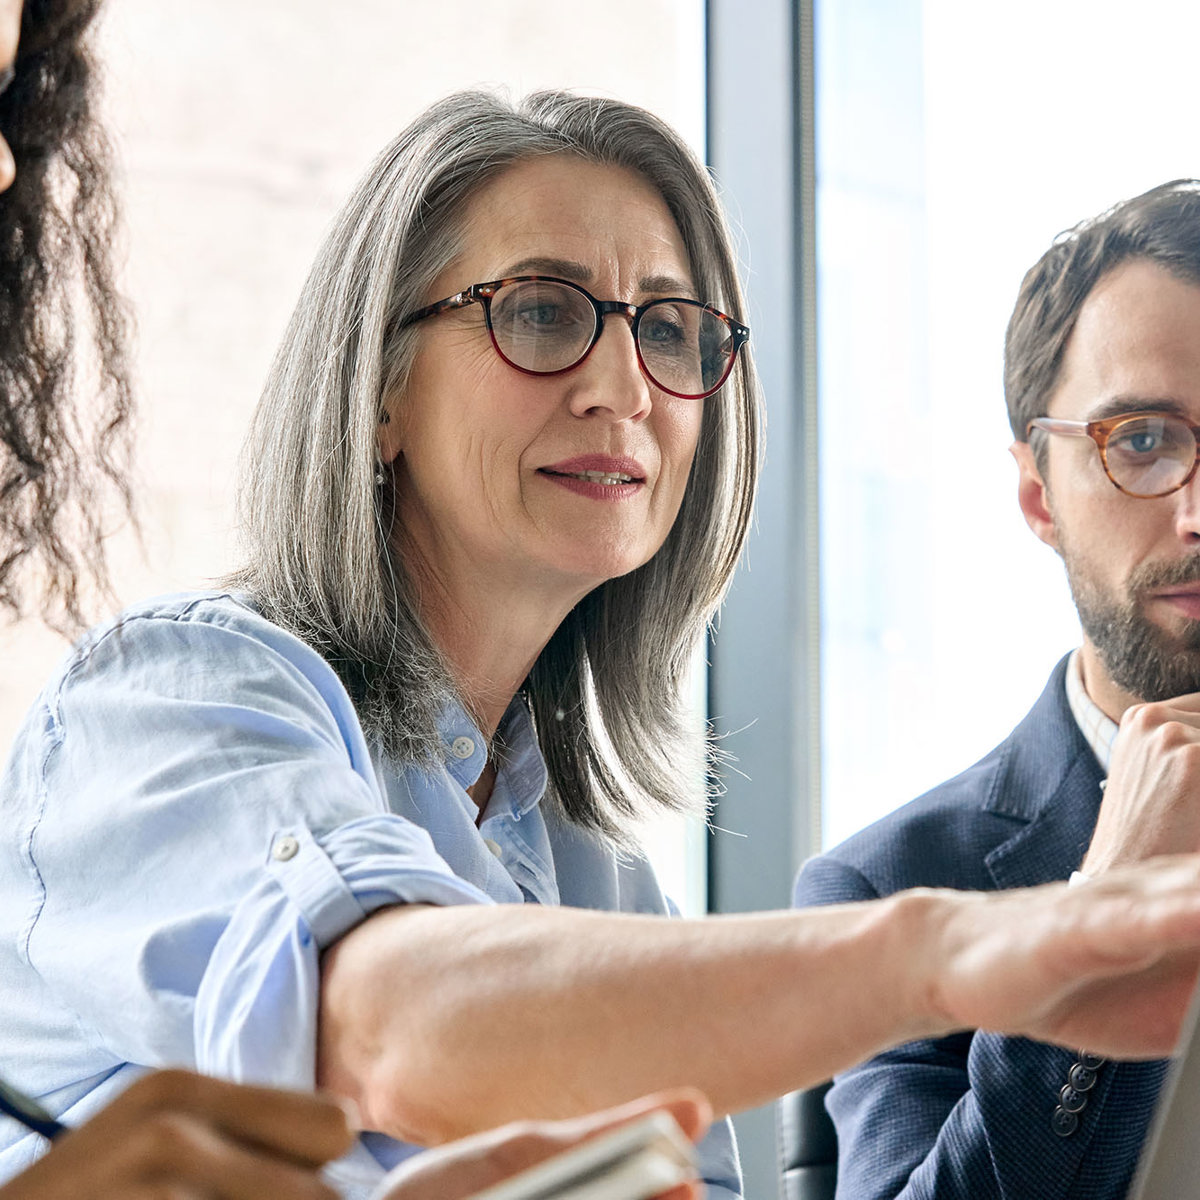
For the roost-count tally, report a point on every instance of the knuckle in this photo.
(160, 1089)
(522, 1145)
(165, 1138)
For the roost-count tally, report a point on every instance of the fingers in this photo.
(185, 1152)
(1186, 708)
(1054, 963)
(141, 1147)
(1149, 803)
(297, 1125)
(464, 1167)
(688, 1106)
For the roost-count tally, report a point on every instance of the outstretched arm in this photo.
(970, 1116)
(745, 1008)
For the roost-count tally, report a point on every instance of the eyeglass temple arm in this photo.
(1058, 425)
(458, 300)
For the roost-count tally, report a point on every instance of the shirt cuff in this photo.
(256, 1007)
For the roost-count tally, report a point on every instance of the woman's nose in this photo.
(610, 380)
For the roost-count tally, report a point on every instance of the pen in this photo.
(29, 1112)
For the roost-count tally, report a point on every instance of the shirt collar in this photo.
(1097, 727)
(521, 771)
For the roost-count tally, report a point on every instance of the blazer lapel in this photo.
(1052, 782)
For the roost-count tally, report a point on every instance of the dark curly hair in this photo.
(63, 326)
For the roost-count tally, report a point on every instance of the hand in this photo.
(459, 1169)
(1109, 965)
(1151, 802)
(176, 1134)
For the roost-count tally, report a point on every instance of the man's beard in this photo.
(1142, 658)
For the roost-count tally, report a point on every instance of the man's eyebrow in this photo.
(577, 272)
(1116, 406)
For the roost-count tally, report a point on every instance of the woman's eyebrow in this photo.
(564, 268)
(668, 285)
(577, 272)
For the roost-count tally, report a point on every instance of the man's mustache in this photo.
(1150, 577)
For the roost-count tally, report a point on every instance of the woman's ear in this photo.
(1033, 495)
(388, 432)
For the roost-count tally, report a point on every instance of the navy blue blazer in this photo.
(973, 1115)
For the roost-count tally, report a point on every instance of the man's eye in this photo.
(1142, 442)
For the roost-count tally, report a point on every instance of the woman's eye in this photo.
(540, 314)
(662, 331)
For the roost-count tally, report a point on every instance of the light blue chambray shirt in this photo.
(192, 812)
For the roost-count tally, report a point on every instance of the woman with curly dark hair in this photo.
(65, 397)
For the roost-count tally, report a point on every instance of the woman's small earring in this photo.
(378, 477)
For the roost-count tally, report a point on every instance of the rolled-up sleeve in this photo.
(208, 819)
(256, 1007)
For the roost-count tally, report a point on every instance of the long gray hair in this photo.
(606, 693)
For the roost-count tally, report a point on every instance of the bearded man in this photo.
(1102, 382)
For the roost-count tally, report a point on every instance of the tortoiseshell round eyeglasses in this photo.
(545, 326)
(1145, 454)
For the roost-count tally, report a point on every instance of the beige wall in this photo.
(242, 124)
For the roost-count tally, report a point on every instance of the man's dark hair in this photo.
(1161, 226)
(65, 397)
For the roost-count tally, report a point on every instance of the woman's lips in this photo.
(598, 476)
(599, 464)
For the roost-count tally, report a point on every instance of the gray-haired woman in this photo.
(364, 821)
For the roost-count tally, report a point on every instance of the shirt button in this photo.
(1071, 1100)
(494, 847)
(1092, 1061)
(1064, 1123)
(285, 848)
(462, 747)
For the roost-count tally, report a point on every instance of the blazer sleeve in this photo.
(971, 1116)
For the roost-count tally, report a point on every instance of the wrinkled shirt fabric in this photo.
(192, 813)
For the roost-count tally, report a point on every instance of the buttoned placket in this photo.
(514, 800)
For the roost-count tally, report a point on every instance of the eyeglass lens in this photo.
(1151, 455)
(544, 326)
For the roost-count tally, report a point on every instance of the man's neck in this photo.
(1103, 691)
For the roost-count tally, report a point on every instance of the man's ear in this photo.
(388, 433)
(1033, 495)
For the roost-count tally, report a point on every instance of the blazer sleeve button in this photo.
(1064, 1123)
(1082, 1078)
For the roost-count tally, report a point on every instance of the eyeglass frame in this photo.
(1100, 431)
(482, 293)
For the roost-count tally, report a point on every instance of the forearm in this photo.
(438, 1022)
